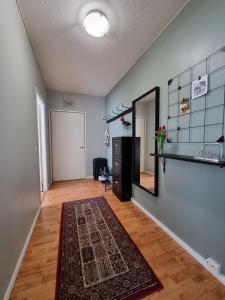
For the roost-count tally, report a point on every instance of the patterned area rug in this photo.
(97, 259)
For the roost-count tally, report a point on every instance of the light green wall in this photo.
(19, 179)
(191, 198)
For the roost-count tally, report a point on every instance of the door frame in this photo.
(50, 137)
(42, 147)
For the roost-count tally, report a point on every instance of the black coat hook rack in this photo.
(118, 114)
(123, 113)
(105, 119)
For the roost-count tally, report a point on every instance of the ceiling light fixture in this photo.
(96, 24)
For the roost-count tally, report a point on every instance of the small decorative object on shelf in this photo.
(211, 152)
(160, 136)
(163, 157)
(125, 123)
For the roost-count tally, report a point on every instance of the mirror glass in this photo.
(145, 114)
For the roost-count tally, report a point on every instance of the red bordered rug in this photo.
(97, 258)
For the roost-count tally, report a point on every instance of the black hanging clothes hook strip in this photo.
(105, 119)
(123, 113)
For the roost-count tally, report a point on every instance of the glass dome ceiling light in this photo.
(96, 24)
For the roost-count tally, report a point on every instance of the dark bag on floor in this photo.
(99, 165)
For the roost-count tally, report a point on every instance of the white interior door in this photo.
(140, 132)
(68, 145)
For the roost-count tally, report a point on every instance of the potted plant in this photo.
(160, 136)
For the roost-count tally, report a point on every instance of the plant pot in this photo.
(161, 147)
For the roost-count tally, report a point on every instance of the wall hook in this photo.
(119, 109)
(222, 49)
(105, 119)
(124, 106)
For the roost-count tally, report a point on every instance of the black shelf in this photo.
(188, 158)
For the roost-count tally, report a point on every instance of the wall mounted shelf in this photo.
(164, 157)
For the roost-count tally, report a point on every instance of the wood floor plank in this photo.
(183, 278)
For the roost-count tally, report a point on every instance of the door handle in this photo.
(82, 147)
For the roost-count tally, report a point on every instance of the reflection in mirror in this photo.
(145, 117)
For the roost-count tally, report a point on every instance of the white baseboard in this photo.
(186, 247)
(19, 262)
(89, 177)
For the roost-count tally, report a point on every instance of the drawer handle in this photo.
(116, 164)
(116, 182)
(116, 145)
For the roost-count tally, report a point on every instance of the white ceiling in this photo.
(73, 61)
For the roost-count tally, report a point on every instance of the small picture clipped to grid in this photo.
(202, 120)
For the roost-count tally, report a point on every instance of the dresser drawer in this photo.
(117, 185)
(122, 167)
(117, 147)
(117, 166)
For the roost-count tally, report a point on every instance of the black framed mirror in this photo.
(145, 123)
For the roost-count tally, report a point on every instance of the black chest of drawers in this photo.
(122, 167)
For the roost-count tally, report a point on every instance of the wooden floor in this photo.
(182, 277)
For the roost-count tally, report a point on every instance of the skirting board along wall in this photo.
(186, 247)
(19, 262)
